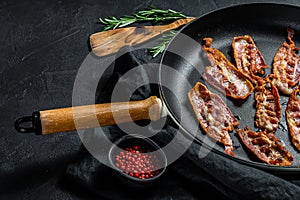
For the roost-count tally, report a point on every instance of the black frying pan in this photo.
(266, 23)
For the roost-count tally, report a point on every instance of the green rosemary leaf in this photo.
(164, 41)
(117, 25)
(102, 21)
(127, 21)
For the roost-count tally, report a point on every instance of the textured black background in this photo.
(42, 46)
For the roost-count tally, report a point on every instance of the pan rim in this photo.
(264, 166)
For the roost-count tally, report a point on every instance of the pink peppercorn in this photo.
(133, 162)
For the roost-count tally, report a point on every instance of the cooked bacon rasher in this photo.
(286, 65)
(268, 108)
(223, 75)
(213, 115)
(266, 147)
(292, 113)
(248, 58)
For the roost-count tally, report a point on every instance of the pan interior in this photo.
(267, 24)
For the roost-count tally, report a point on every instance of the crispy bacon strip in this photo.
(286, 65)
(223, 75)
(293, 117)
(214, 116)
(268, 108)
(248, 58)
(266, 147)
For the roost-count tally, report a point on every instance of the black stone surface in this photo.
(43, 43)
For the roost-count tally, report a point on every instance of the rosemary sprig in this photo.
(164, 40)
(149, 15)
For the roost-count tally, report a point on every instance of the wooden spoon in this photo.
(109, 42)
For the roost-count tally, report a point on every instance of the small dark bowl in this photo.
(128, 141)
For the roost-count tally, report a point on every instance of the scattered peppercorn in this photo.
(135, 162)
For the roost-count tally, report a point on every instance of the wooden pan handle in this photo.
(109, 42)
(91, 116)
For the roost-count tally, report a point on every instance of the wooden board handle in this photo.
(91, 116)
(109, 42)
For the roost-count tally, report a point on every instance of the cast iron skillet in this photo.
(267, 24)
(185, 61)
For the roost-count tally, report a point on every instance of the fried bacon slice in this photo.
(214, 116)
(248, 58)
(292, 113)
(268, 108)
(286, 65)
(223, 75)
(266, 147)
